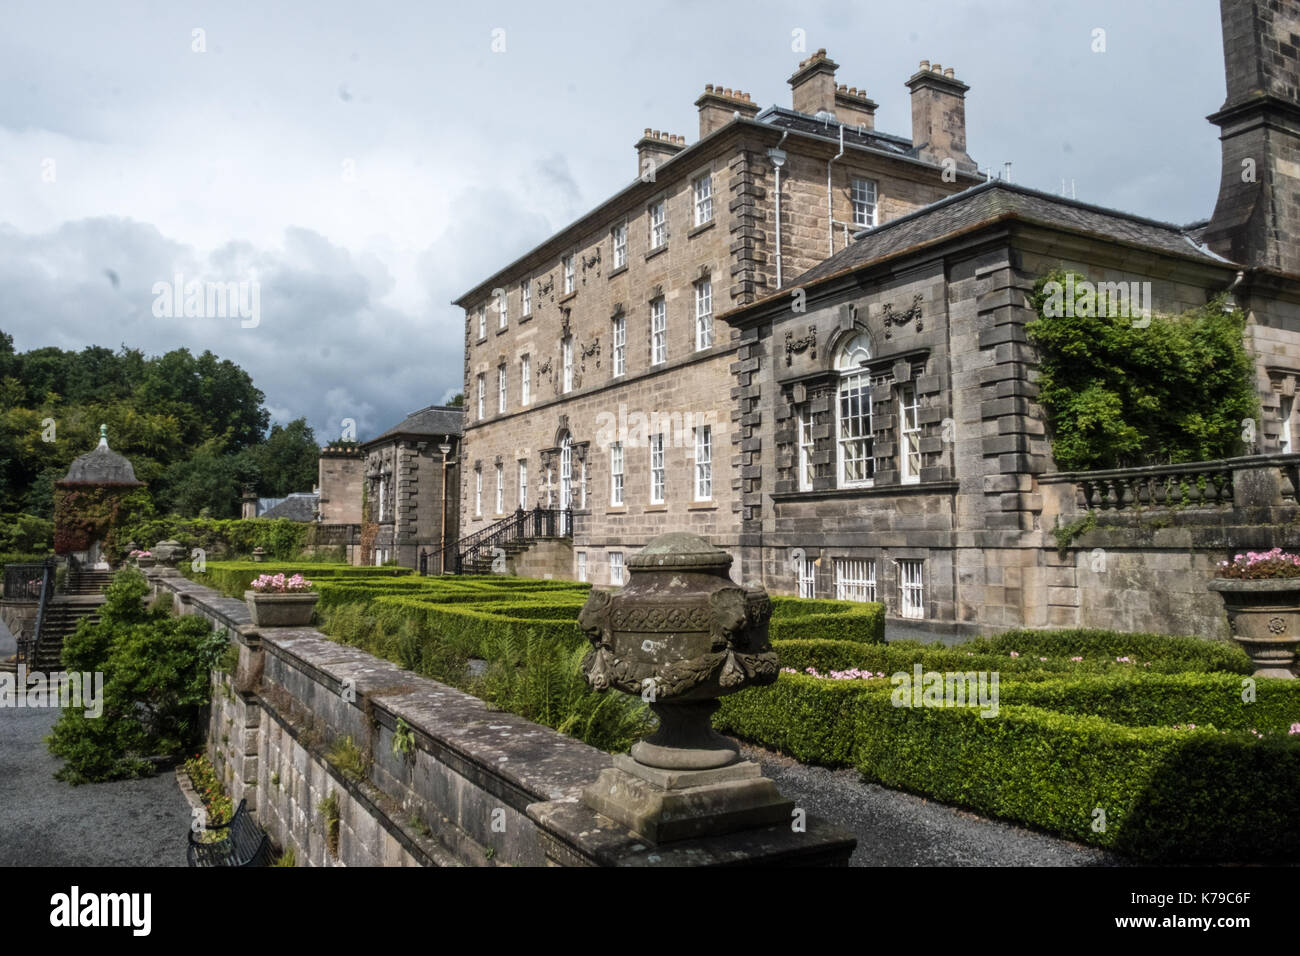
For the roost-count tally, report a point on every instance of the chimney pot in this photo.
(949, 73)
(925, 64)
(708, 87)
(937, 68)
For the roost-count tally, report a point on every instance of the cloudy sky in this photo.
(368, 162)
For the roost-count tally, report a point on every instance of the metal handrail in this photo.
(47, 592)
(538, 523)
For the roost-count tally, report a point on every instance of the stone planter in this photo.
(1264, 617)
(281, 610)
(144, 562)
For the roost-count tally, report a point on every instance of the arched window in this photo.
(853, 452)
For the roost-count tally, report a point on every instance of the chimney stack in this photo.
(655, 148)
(854, 108)
(939, 116)
(719, 106)
(813, 84)
(1256, 220)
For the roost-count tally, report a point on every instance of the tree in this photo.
(287, 461)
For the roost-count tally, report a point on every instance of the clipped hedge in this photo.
(1058, 749)
(863, 623)
(1173, 655)
(233, 577)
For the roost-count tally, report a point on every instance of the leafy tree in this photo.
(287, 461)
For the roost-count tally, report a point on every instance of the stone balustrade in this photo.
(1250, 481)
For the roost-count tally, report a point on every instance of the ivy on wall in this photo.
(1123, 389)
(84, 514)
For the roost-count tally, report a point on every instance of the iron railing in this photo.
(488, 542)
(23, 582)
(47, 592)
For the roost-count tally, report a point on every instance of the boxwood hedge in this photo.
(1062, 748)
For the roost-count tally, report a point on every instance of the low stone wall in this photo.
(304, 729)
(1145, 564)
(546, 558)
(19, 617)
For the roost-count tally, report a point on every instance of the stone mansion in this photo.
(803, 339)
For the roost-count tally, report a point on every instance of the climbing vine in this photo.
(1122, 389)
(86, 514)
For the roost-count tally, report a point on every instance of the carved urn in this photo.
(680, 635)
(1264, 619)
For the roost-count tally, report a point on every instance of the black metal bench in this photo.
(244, 843)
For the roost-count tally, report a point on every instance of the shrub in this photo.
(156, 687)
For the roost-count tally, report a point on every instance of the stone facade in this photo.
(583, 294)
(340, 482)
(404, 472)
(955, 525)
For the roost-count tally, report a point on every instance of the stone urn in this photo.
(259, 555)
(1264, 618)
(680, 635)
(168, 552)
(281, 609)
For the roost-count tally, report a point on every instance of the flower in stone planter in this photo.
(1261, 565)
(1295, 728)
(279, 584)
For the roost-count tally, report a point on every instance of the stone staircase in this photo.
(482, 564)
(88, 582)
(61, 619)
(81, 599)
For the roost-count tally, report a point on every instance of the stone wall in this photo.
(471, 785)
(340, 480)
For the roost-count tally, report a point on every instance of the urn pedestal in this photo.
(680, 635)
(1264, 618)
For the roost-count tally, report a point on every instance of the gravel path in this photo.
(899, 829)
(44, 822)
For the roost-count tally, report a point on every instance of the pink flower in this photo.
(1295, 728)
(1015, 653)
(1076, 658)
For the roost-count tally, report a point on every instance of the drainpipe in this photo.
(777, 156)
(1232, 301)
(830, 219)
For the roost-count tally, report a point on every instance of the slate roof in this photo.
(427, 422)
(997, 199)
(782, 118)
(300, 506)
(101, 466)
